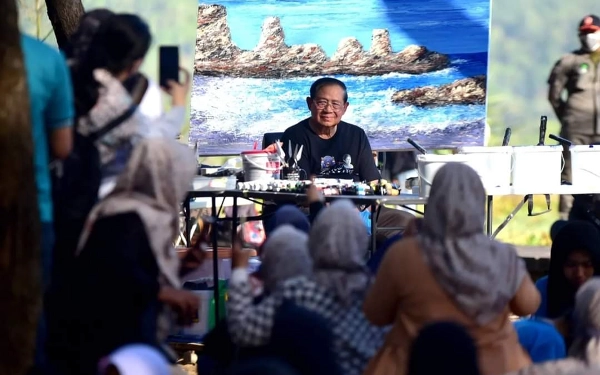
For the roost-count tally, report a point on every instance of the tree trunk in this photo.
(20, 258)
(64, 16)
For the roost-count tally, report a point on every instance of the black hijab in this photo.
(441, 348)
(575, 235)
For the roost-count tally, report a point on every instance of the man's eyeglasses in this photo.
(322, 104)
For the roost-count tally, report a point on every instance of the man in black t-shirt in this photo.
(331, 148)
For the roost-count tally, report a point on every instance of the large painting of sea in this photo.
(413, 68)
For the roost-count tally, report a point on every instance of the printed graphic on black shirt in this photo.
(329, 167)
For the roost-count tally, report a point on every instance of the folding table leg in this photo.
(490, 214)
(234, 220)
(215, 256)
(374, 214)
(511, 215)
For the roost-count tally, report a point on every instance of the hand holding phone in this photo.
(169, 75)
(240, 258)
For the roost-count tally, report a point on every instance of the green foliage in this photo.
(172, 23)
(33, 20)
(527, 38)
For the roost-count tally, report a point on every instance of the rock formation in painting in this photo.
(463, 91)
(217, 55)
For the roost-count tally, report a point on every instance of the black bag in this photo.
(75, 185)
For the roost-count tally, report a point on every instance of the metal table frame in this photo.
(214, 194)
(369, 200)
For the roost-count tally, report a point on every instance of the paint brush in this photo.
(416, 145)
(506, 139)
(543, 123)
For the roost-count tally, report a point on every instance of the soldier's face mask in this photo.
(592, 41)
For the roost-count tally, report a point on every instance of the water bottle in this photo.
(231, 182)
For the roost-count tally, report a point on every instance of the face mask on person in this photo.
(592, 41)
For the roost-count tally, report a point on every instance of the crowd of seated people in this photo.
(437, 295)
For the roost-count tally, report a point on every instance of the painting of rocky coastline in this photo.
(413, 68)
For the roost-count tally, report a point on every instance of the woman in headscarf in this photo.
(288, 214)
(452, 271)
(124, 281)
(285, 256)
(338, 244)
(574, 259)
(285, 215)
(429, 353)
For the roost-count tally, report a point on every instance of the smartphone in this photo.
(168, 64)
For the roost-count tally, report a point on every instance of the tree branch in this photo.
(64, 16)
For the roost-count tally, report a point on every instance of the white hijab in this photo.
(138, 359)
(153, 184)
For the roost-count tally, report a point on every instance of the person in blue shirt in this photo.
(51, 111)
(574, 259)
(541, 339)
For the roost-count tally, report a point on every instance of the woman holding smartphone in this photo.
(105, 56)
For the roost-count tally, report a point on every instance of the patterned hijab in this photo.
(338, 242)
(481, 275)
(153, 184)
(586, 317)
(285, 256)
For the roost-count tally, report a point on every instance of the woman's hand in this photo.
(179, 91)
(185, 303)
(239, 257)
(313, 194)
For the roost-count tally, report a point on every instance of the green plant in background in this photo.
(40, 7)
(527, 38)
(33, 20)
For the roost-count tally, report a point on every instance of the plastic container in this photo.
(585, 166)
(231, 182)
(537, 168)
(206, 312)
(202, 326)
(260, 165)
(493, 164)
(429, 164)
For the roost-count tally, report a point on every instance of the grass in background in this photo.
(525, 230)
